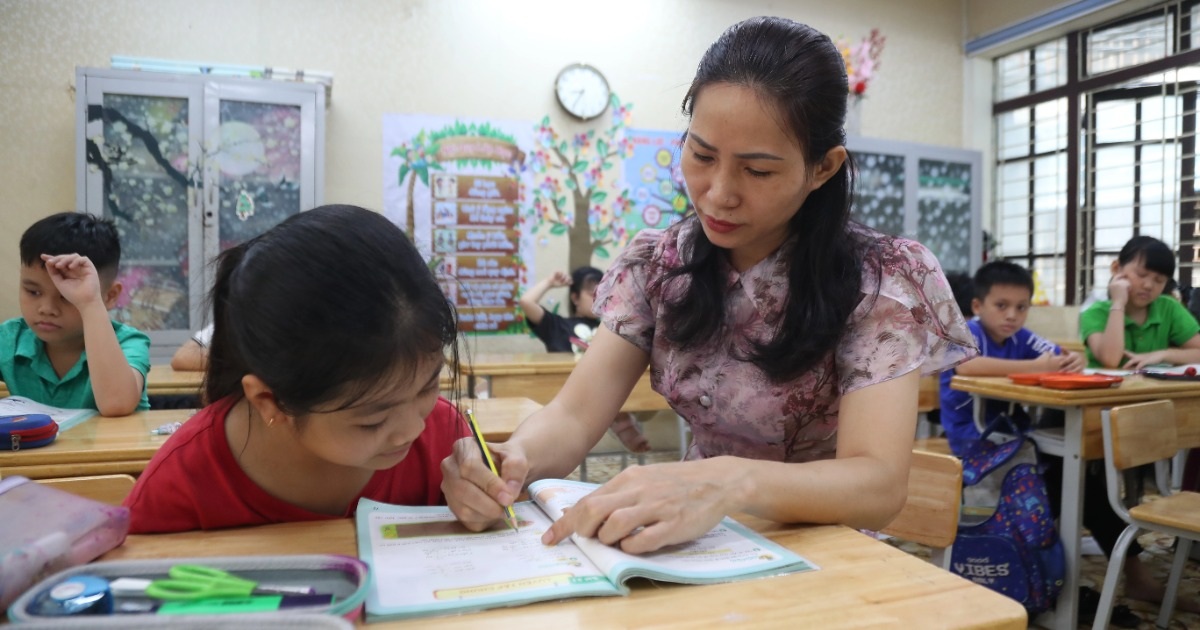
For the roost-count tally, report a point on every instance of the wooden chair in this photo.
(1141, 434)
(110, 489)
(930, 516)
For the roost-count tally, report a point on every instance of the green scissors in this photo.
(192, 581)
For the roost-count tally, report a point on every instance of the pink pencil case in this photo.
(44, 530)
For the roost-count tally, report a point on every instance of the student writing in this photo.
(788, 338)
(1003, 292)
(556, 331)
(65, 350)
(328, 340)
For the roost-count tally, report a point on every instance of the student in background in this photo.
(192, 356)
(1001, 304)
(964, 291)
(556, 331)
(65, 350)
(1140, 325)
(328, 340)
(790, 339)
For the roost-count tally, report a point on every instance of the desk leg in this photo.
(1070, 518)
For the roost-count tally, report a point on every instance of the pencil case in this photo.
(346, 579)
(27, 431)
(43, 530)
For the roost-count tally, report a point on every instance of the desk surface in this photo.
(862, 583)
(100, 446)
(539, 375)
(1132, 389)
(504, 364)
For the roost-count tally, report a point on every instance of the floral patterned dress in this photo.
(733, 407)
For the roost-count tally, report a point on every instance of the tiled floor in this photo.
(1157, 554)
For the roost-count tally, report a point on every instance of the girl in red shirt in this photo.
(330, 334)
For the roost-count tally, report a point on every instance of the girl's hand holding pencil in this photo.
(476, 494)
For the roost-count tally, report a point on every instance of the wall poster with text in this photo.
(457, 187)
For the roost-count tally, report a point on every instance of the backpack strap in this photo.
(983, 456)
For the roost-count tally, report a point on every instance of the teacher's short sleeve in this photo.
(622, 299)
(913, 323)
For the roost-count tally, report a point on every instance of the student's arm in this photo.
(1109, 346)
(647, 507)
(990, 366)
(530, 299)
(190, 357)
(551, 442)
(1188, 353)
(116, 385)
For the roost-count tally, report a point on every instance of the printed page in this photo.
(728, 552)
(425, 562)
(66, 418)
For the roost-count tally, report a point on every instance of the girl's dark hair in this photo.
(580, 279)
(1155, 255)
(801, 71)
(323, 307)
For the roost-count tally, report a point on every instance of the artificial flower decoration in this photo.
(862, 61)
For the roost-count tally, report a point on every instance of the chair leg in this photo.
(1183, 548)
(1115, 563)
(940, 557)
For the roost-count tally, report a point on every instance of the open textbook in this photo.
(426, 563)
(22, 406)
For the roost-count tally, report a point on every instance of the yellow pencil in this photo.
(511, 519)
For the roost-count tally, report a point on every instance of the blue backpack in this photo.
(1015, 550)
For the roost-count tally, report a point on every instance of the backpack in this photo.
(1010, 546)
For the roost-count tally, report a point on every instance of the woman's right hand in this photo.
(475, 495)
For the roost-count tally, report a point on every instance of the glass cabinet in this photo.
(188, 166)
(928, 193)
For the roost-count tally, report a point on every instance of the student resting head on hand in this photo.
(328, 340)
(790, 339)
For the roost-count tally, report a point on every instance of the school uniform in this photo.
(556, 331)
(26, 369)
(195, 482)
(958, 408)
(1168, 325)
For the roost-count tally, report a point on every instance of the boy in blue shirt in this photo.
(64, 350)
(1002, 294)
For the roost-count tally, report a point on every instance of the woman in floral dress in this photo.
(789, 338)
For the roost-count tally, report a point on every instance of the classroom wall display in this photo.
(478, 195)
(457, 187)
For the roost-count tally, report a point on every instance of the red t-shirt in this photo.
(194, 482)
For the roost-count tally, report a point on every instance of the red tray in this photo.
(1031, 379)
(1080, 381)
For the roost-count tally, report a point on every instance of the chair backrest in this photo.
(929, 394)
(930, 516)
(110, 489)
(1142, 433)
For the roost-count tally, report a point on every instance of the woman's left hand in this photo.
(645, 508)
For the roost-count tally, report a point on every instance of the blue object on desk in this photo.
(192, 581)
(76, 595)
(29, 430)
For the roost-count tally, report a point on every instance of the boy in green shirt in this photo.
(64, 350)
(1139, 325)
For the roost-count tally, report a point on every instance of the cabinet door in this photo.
(141, 153)
(262, 162)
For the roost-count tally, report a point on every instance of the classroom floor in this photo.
(1157, 554)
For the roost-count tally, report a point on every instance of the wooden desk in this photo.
(104, 446)
(96, 446)
(540, 375)
(862, 583)
(162, 380)
(1079, 440)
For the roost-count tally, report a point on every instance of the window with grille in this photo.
(1095, 143)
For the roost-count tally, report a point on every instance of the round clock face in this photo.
(582, 91)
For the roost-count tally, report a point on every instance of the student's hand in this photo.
(475, 495)
(75, 277)
(645, 508)
(1071, 361)
(1118, 290)
(559, 279)
(1146, 359)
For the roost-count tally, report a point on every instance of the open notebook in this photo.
(66, 418)
(425, 563)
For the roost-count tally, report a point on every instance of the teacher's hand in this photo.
(476, 495)
(645, 508)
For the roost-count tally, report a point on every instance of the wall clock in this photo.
(582, 91)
